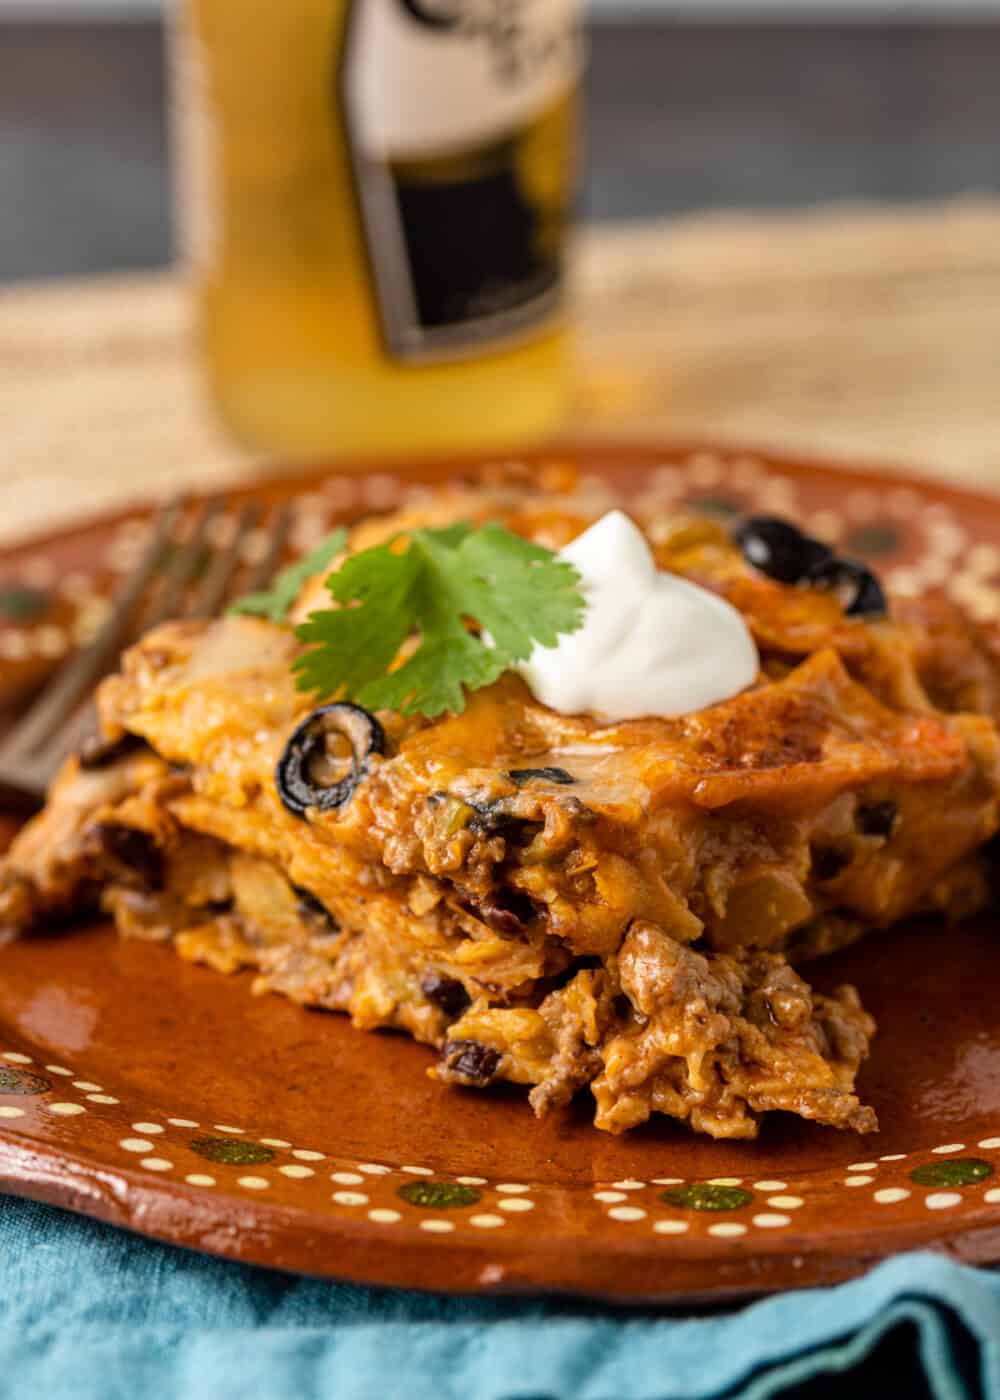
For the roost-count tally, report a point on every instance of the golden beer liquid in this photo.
(290, 329)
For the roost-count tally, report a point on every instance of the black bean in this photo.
(97, 752)
(128, 852)
(829, 861)
(446, 993)
(545, 775)
(471, 1062)
(779, 549)
(509, 914)
(876, 818)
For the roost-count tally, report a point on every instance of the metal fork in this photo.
(173, 578)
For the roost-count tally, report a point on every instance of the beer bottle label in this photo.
(460, 122)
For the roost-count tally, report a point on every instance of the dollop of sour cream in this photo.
(651, 643)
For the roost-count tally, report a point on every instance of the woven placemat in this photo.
(866, 333)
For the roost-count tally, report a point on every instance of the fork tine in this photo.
(183, 568)
(64, 692)
(268, 566)
(67, 739)
(216, 584)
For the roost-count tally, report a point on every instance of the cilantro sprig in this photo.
(432, 614)
(274, 603)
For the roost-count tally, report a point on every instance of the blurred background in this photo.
(692, 105)
(790, 242)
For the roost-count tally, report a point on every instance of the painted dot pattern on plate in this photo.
(628, 1213)
(943, 1171)
(383, 1216)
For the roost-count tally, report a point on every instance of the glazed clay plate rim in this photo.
(231, 1230)
(602, 452)
(563, 1236)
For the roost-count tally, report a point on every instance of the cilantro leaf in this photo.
(275, 601)
(417, 595)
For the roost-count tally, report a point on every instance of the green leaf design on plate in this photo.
(438, 1195)
(18, 1081)
(19, 603)
(232, 1152)
(879, 538)
(723, 506)
(960, 1171)
(704, 1196)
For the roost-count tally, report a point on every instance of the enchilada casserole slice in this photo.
(550, 899)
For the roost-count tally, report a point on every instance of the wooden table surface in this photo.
(681, 117)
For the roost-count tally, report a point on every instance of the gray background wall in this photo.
(694, 112)
(618, 10)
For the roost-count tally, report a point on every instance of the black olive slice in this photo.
(855, 584)
(545, 775)
(297, 786)
(779, 549)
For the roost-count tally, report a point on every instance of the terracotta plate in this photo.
(161, 1096)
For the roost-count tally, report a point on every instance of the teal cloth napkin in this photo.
(92, 1313)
